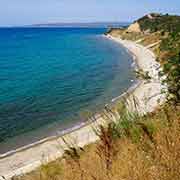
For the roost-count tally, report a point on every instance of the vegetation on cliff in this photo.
(157, 22)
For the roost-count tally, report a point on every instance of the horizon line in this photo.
(69, 24)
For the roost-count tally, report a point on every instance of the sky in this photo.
(26, 12)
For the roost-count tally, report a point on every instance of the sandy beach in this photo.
(147, 94)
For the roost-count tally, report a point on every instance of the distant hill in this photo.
(84, 25)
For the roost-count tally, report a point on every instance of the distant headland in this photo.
(83, 25)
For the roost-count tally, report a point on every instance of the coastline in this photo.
(148, 95)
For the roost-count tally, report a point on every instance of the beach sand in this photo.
(147, 94)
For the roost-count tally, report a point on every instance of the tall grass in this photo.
(132, 147)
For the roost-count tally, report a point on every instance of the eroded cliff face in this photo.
(135, 27)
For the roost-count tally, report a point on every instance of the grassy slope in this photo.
(146, 148)
(134, 147)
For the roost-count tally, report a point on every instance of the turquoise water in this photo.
(50, 76)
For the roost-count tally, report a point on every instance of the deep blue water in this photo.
(49, 76)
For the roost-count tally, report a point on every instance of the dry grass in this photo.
(151, 38)
(146, 149)
(125, 35)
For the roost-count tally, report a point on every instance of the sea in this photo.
(51, 79)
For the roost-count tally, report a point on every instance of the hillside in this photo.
(157, 22)
(133, 147)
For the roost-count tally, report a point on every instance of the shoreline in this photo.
(21, 160)
(149, 94)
